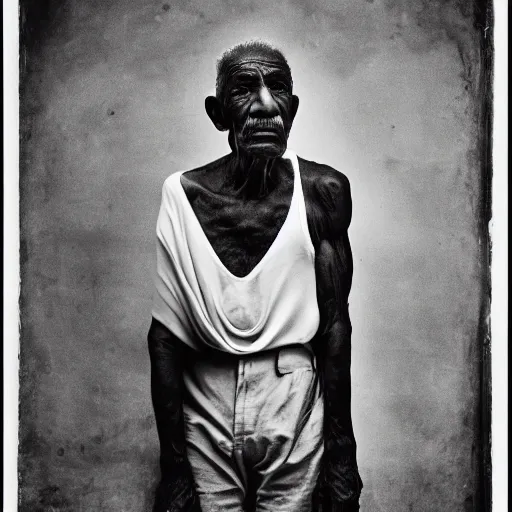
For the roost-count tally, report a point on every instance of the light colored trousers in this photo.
(254, 430)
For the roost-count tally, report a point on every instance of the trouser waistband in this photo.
(286, 358)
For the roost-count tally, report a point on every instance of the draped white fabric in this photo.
(202, 303)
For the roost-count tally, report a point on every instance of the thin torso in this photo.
(241, 228)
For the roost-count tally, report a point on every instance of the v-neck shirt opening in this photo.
(275, 242)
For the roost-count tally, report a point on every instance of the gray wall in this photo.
(114, 104)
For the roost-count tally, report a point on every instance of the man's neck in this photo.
(252, 177)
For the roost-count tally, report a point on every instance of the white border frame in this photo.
(499, 263)
(498, 228)
(11, 253)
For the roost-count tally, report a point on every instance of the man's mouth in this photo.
(265, 132)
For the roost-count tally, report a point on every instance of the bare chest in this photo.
(240, 231)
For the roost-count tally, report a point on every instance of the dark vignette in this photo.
(33, 17)
(484, 22)
(37, 18)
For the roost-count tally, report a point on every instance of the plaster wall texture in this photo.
(113, 104)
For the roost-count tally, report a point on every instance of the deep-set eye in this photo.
(278, 87)
(240, 90)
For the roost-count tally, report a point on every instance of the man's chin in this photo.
(265, 150)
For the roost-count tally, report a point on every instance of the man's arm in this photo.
(176, 491)
(339, 484)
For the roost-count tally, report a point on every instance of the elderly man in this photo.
(250, 341)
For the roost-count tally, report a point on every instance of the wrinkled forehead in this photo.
(252, 62)
(259, 65)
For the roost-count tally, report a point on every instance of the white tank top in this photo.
(200, 301)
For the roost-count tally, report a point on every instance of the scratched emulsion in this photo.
(112, 103)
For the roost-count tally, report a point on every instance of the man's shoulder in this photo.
(324, 179)
(194, 177)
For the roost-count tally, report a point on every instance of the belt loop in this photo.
(278, 372)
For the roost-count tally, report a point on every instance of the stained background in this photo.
(112, 103)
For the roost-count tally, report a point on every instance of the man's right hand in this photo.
(176, 491)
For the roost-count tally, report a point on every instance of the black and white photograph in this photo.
(256, 257)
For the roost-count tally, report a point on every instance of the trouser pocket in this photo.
(294, 357)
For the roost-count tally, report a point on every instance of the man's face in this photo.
(259, 105)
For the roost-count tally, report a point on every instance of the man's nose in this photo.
(265, 105)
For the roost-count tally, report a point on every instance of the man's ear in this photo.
(214, 110)
(295, 106)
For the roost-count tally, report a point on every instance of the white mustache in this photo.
(254, 123)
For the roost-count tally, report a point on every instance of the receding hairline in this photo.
(249, 51)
